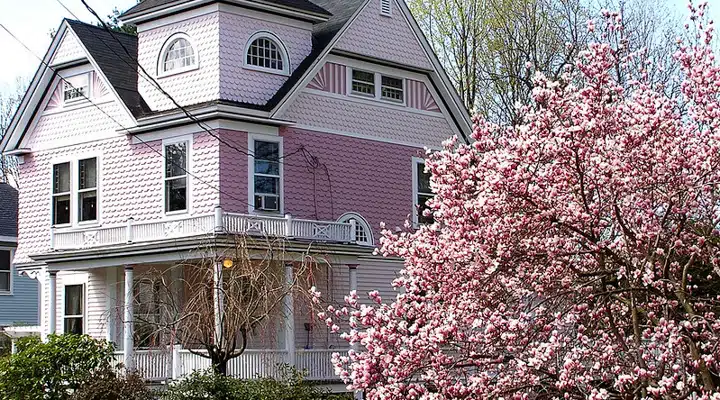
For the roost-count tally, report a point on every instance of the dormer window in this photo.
(265, 52)
(178, 55)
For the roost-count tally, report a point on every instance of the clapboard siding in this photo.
(21, 307)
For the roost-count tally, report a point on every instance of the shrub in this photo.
(208, 385)
(106, 384)
(54, 369)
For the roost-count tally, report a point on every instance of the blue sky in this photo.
(32, 20)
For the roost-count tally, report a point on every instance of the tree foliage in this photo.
(52, 370)
(574, 255)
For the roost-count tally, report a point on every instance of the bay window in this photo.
(176, 178)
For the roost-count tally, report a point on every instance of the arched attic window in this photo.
(265, 52)
(363, 233)
(177, 55)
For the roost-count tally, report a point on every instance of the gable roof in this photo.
(299, 5)
(8, 210)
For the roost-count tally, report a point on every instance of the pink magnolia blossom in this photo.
(573, 256)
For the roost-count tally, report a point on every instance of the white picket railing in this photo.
(156, 365)
(208, 224)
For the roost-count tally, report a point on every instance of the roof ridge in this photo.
(95, 26)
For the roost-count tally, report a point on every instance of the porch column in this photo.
(52, 294)
(354, 286)
(111, 303)
(289, 305)
(128, 340)
(219, 301)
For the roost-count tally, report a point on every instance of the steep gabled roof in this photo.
(299, 5)
(109, 52)
(8, 210)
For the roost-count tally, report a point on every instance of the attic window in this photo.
(76, 88)
(265, 52)
(178, 55)
(363, 233)
(386, 7)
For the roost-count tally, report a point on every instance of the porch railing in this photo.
(208, 224)
(157, 365)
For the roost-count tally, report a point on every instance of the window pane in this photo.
(61, 178)
(74, 300)
(267, 167)
(61, 210)
(423, 179)
(265, 184)
(264, 52)
(176, 160)
(179, 55)
(363, 82)
(74, 325)
(4, 260)
(87, 173)
(88, 206)
(4, 281)
(271, 203)
(176, 194)
(363, 76)
(267, 150)
(392, 88)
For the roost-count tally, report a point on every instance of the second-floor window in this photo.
(266, 175)
(5, 271)
(176, 177)
(421, 192)
(61, 194)
(87, 190)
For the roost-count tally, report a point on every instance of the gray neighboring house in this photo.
(19, 295)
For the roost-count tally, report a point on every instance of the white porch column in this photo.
(111, 303)
(128, 340)
(289, 305)
(219, 301)
(52, 294)
(354, 286)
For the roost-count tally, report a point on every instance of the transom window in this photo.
(5, 271)
(73, 314)
(176, 179)
(363, 233)
(264, 52)
(266, 175)
(376, 85)
(422, 192)
(178, 55)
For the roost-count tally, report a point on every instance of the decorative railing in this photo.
(159, 365)
(209, 224)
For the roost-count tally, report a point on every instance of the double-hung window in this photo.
(87, 189)
(363, 83)
(376, 85)
(5, 272)
(61, 194)
(391, 89)
(422, 192)
(73, 311)
(176, 177)
(266, 176)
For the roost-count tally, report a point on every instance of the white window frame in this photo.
(161, 72)
(74, 281)
(189, 168)
(378, 86)
(383, 4)
(74, 193)
(281, 49)
(252, 138)
(362, 223)
(416, 193)
(65, 81)
(11, 279)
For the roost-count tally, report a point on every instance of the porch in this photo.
(161, 365)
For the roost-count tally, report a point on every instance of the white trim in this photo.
(366, 137)
(11, 239)
(361, 222)
(74, 161)
(371, 102)
(171, 132)
(188, 178)
(252, 137)
(73, 280)
(160, 69)
(282, 49)
(12, 272)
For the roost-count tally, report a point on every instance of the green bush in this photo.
(108, 385)
(207, 385)
(52, 370)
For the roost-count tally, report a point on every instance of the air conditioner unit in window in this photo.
(267, 203)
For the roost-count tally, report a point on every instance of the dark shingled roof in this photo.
(302, 5)
(8, 210)
(119, 68)
(122, 71)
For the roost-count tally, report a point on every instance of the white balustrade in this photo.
(316, 362)
(151, 364)
(240, 224)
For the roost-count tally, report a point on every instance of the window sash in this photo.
(392, 88)
(363, 82)
(267, 160)
(87, 190)
(179, 55)
(5, 271)
(265, 53)
(176, 176)
(74, 309)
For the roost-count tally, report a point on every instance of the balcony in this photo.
(219, 222)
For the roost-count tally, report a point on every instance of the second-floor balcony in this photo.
(219, 222)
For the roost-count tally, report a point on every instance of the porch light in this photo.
(228, 263)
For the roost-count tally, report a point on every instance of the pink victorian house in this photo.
(299, 119)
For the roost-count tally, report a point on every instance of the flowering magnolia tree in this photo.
(576, 255)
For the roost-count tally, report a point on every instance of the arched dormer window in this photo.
(265, 52)
(363, 233)
(177, 55)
